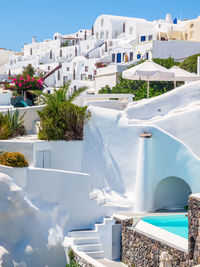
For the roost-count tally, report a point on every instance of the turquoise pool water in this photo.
(176, 224)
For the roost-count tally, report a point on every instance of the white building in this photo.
(113, 39)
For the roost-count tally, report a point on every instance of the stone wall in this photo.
(139, 249)
(194, 228)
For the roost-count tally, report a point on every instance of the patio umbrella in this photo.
(183, 75)
(148, 71)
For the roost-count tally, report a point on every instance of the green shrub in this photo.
(17, 122)
(60, 119)
(13, 159)
(5, 126)
(72, 259)
(190, 63)
(11, 125)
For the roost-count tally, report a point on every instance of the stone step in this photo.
(83, 233)
(90, 247)
(86, 240)
(96, 254)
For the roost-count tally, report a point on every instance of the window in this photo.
(48, 92)
(147, 55)
(113, 57)
(150, 37)
(131, 56)
(90, 77)
(138, 56)
(131, 30)
(60, 52)
(31, 51)
(68, 69)
(102, 22)
(143, 38)
(86, 68)
(83, 77)
(95, 72)
(107, 34)
(97, 35)
(48, 67)
(159, 26)
(116, 33)
(74, 88)
(58, 75)
(50, 54)
(102, 35)
(55, 37)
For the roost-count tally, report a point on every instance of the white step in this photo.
(83, 233)
(96, 254)
(86, 240)
(90, 247)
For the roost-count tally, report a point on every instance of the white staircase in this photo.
(91, 241)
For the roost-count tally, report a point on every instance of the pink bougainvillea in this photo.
(25, 82)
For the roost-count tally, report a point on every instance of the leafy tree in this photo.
(66, 43)
(29, 70)
(190, 63)
(166, 63)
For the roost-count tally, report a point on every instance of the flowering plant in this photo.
(101, 65)
(25, 82)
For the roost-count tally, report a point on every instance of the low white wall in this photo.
(5, 99)
(111, 104)
(18, 174)
(66, 192)
(67, 155)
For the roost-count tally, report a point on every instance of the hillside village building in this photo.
(112, 40)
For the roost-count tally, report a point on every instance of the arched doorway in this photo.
(171, 193)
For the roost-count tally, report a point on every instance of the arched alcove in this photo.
(171, 193)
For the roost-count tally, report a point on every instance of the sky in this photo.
(20, 20)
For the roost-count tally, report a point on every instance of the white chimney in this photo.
(198, 66)
(34, 39)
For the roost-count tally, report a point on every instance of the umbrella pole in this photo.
(174, 84)
(147, 88)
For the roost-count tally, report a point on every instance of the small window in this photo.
(131, 30)
(31, 51)
(147, 55)
(86, 68)
(74, 88)
(50, 54)
(159, 26)
(102, 22)
(58, 75)
(68, 69)
(113, 57)
(107, 34)
(95, 72)
(116, 33)
(143, 38)
(138, 56)
(131, 56)
(97, 35)
(102, 35)
(60, 52)
(48, 67)
(150, 37)
(90, 77)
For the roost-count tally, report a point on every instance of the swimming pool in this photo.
(176, 224)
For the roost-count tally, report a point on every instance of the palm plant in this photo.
(16, 122)
(60, 119)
